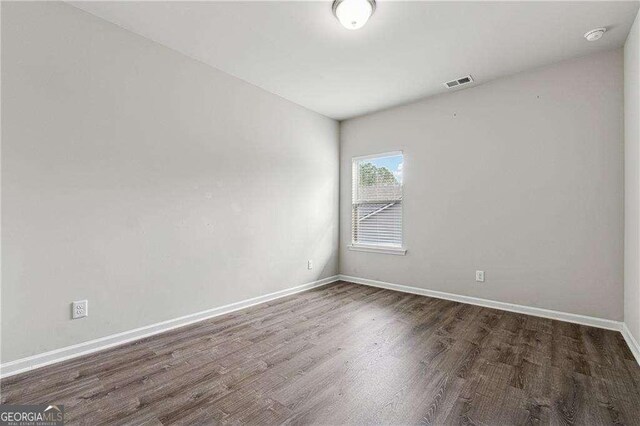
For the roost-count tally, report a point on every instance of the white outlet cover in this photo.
(310, 264)
(480, 276)
(79, 309)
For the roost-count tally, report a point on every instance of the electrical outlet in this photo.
(79, 309)
(480, 276)
(309, 264)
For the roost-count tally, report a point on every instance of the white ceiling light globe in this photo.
(353, 14)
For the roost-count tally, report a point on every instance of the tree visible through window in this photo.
(377, 200)
(370, 175)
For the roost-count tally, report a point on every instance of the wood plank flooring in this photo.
(351, 354)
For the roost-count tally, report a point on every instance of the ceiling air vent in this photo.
(459, 82)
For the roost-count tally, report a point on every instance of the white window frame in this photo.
(377, 248)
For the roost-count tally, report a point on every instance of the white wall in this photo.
(146, 182)
(632, 180)
(521, 178)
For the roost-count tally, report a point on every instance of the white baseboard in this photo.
(85, 348)
(631, 342)
(69, 352)
(521, 309)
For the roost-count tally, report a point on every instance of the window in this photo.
(377, 203)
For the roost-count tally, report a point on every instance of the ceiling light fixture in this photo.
(596, 34)
(353, 14)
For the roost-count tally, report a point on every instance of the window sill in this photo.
(398, 251)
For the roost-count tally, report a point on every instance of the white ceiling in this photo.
(299, 51)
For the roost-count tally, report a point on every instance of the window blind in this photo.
(377, 200)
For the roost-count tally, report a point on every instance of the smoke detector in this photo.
(458, 82)
(596, 34)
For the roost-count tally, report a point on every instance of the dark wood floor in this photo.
(346, 353)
